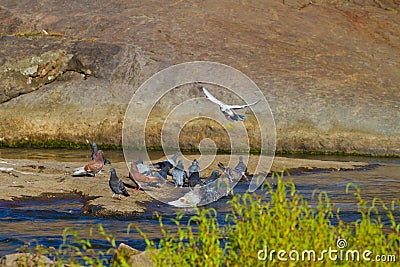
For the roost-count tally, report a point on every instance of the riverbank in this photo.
(21, 179)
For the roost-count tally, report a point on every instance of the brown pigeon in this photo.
(93, 167)
(94, 152)
(138, 177)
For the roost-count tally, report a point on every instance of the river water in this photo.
(43, 222)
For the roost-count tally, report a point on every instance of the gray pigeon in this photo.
(116, 185)
(179, 174)
(241, 167)
(94, 152)
(143, 168)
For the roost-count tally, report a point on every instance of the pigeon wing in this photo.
(212, 98)
(242, 106)
(122, 188)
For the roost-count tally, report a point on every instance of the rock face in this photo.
(330, 70)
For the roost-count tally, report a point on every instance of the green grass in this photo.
(288, 224)
(259, 233)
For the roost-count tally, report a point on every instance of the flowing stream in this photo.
(43, 221)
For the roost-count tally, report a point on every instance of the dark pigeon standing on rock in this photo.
(116, 185)
(241, 167)
(194, 174)
(228, 110)
(93, 167)
(139, 178)
(94, 151)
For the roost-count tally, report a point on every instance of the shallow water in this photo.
(44, 221)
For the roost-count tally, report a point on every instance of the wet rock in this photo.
(133, 257)
(25, 259)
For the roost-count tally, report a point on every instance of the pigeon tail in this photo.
(79, 171)
(124, 192)
(222, 166)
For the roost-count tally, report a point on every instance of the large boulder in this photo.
(330, 70)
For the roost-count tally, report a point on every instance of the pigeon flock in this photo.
(201, 190)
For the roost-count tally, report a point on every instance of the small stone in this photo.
(24, 259)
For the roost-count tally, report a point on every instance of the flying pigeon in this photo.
(214, 176)
(93, 167)
(138, 177)
(179, 174)
(169, 162)
(116, 185)
(94, 151)
(228, 110)
(241, 167)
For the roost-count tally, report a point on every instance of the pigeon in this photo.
(94, 151)
(116, 185)
(194, 174)
(179, 174)
(93, 167)
(194, 167)
(138, 177)
(169, 162)
(228, 110)
(214, 176)
(143, 168)
(233, 174)
(194, 179)
(241, 167)
(164, 172)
